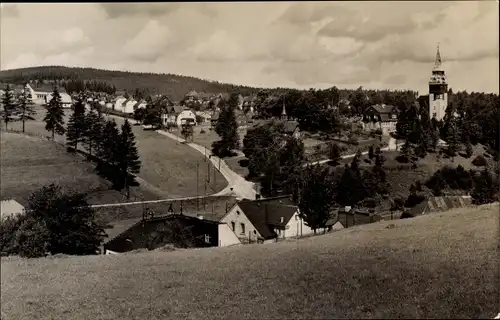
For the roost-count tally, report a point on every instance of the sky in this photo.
(379, 45)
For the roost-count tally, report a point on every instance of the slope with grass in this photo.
(436, 266)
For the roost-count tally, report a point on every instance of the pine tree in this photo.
(108, 152)
(54, 118)
(227, 129)
(25, 107)
(485, 188)
(316, 198)
(94, 124)
(8, 106)
(77, 124)
(371, 154)
(453, 136)
(334, 153)
(128, 156)
(468, 149)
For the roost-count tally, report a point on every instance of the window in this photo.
(233, 226)
(207, 238)
(243, 228)
(238, 212)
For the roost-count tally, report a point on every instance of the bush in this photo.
(202, 131)
(8, 228)
(32, 238)
(479, 161)
(414, 199)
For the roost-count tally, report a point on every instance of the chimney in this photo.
(282, 219)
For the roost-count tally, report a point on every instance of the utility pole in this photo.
(197, 186)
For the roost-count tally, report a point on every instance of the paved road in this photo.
(241, 187)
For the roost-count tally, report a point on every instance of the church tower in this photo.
(284, 116)
(438, 90)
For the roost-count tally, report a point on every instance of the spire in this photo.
(283, 112)
(437, 63)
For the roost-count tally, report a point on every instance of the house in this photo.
(41, 94)
(178, 116)
(191, 96)
(141, 105)
(437, 204)
(353, 217)
(381, 116)
(155, 232)
(334, 224)
(291, 128)
(205, 115)
(118, 103)
(266, 220)
(128, 106)
(214, 118)
(10, 208)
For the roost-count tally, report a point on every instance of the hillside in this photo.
(436, 266)
(176, 86)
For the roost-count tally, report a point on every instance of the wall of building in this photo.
(237, 216)
(438, 106)
(185, 114)
(226, 236)
(129, 106)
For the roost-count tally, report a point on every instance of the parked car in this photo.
(148, 127)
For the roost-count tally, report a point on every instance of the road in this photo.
(238, 186)
(391, 147)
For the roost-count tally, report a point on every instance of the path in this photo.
(241, 188)
(391, 147)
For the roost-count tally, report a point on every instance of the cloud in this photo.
(347, 44)
(9, 10)
(117, 10)
(149, 44)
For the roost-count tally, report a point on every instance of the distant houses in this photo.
(381, 116)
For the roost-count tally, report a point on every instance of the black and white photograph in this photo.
(250, 160)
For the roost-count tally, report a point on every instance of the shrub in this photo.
(202, 131)
(8, 228)
(479, 161)
(414, 199)
(32, 238)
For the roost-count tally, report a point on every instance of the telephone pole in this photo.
(197, 186)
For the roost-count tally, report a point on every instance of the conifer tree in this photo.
(8, 106)
(128, 156)
(77, 125)
(453, 136)
(485, 188)
(107, 153)
(371, 153)
(25, 107)
(227, 129)
(94, 124)
(54, 118)
(334, 153)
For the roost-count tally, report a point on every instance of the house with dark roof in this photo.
(437, 204)
(381, 116)
(353, 217)
(178, 115)
(176, 229)
(266, 220)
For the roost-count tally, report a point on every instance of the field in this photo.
(168, 168)
(29, 163)
(436, 266)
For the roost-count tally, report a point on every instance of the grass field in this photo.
(436, 266)
(168, 168)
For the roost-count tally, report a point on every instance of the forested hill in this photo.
(176, 86)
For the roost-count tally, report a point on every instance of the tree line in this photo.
(78, 85)
(19, 106)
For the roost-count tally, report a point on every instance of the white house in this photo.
(179, 116)
(65, 99)
(128, 106)
(10, 208)
(141, 105)
(266, 220)
(118, 103)
(41, 94)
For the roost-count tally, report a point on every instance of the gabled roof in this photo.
(46, 87)
(290, 126)
(437, 204)
(384, 108)
(267, 213)
(10, 207)
(192, 93)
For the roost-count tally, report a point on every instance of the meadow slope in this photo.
(437, 266)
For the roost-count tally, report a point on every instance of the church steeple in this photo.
(438, 61)
(283, 112)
